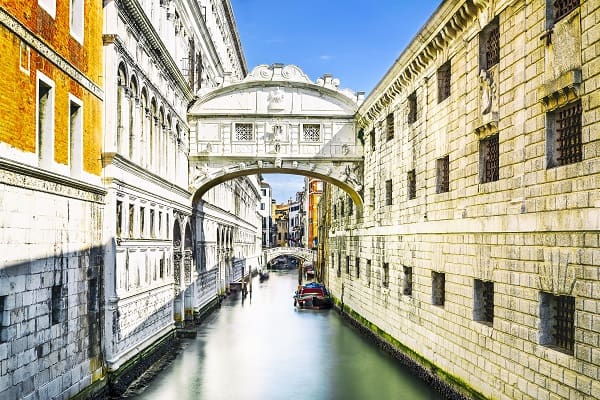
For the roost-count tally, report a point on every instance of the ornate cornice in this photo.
(132, 10)
(449, 20)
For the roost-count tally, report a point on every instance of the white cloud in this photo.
(326, 57)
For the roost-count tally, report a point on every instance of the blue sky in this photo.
(354, 40)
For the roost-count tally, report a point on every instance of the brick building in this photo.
(477, 248)
(51, 197)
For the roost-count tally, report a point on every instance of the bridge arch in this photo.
(276, 120)
(298, 252)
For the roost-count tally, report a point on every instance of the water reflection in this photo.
(262, 348)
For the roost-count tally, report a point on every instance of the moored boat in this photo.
(313, 296)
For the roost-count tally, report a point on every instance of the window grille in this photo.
(443, 175)
(389, 126)
(311, 132)
(244, 132)
(438, 290)
(334, 211)
(357, 266)
(568, 134)
(408, 281)
(373, 140)
(564, 327)
(339, 266)
(372, 196)
(412, 184)
(443, 79)
(490, 158)
(412, 108)
(564, 7)
(388, 192)
(350, 205)
(348, 265)
(342, 209)
(492, 47)
(385, 282)
(368, 272)
(483, 307)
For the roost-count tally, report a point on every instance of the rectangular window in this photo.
(412, 108)
(339, 265)
(131, 219)
(407, 282)
(563, 135)
(368, 272)
(342, 209)
(412, 184)
(49, 6)
(311, 132)
(489, 159)
(443, 80)
(483, 301)
(142, 222)
(438, 288)
(557, 315)
(562, 8)
(75, 136)
(385, 279)
(119, 217)
(152, 225)
(160, 224)
(161, 267)
(389, 126)
(76, 20)
(45, 121)
(244, 132)
(334, 211)
(373, 139)
(489, 45)
(348, 265)
(350, 205)
(56, 304)
(372, 196)
(4, 320)
(388, 192)
(357, 266)
(442, 175)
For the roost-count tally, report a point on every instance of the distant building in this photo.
(296, 221)
(282, 221)
(266, 198)
(314, 191)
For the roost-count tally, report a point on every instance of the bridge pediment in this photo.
(276, 121)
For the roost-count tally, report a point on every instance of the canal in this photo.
(262, 348)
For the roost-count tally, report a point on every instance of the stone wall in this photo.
(482, 259)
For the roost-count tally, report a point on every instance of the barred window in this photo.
(373, 140)
(564, 144)
(388, 192)
(350, 205)
(407, 283)
(389, 126)
(339, 266)
(562, 8)
(489, 45)
(342, 208)
(443, 79)
(412, 108)
(557, 315)
(372, 196)
(311, 132)
(438, 288)
(412, 184)
(385, 281)
(119, 216)
(244, 132)
(357, 266)
(483, 301)
(443, 174)
(489, 159)
(368, 272)
(348, 265)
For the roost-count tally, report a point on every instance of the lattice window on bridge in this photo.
(557, 322)
(244, 132)
(489, 159)
(438, 288)
(311, 132)
(442, 175)
(563, 135)
(483, 301)
(562, 8)
(489, 45)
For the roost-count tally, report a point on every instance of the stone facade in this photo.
(51, 198)
(477, 250)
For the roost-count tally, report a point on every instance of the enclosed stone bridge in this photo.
(299, 252)
(276, 120)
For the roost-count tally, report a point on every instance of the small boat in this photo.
(312, 296)
(263, 275)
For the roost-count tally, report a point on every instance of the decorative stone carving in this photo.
(275, 100)
(488, 90)
(350, 176)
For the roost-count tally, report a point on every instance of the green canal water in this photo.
(262, 348)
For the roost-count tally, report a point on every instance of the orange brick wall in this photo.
(18, 89)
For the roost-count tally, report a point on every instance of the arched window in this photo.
(134, 131)
(121, 105)
(144, 121)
